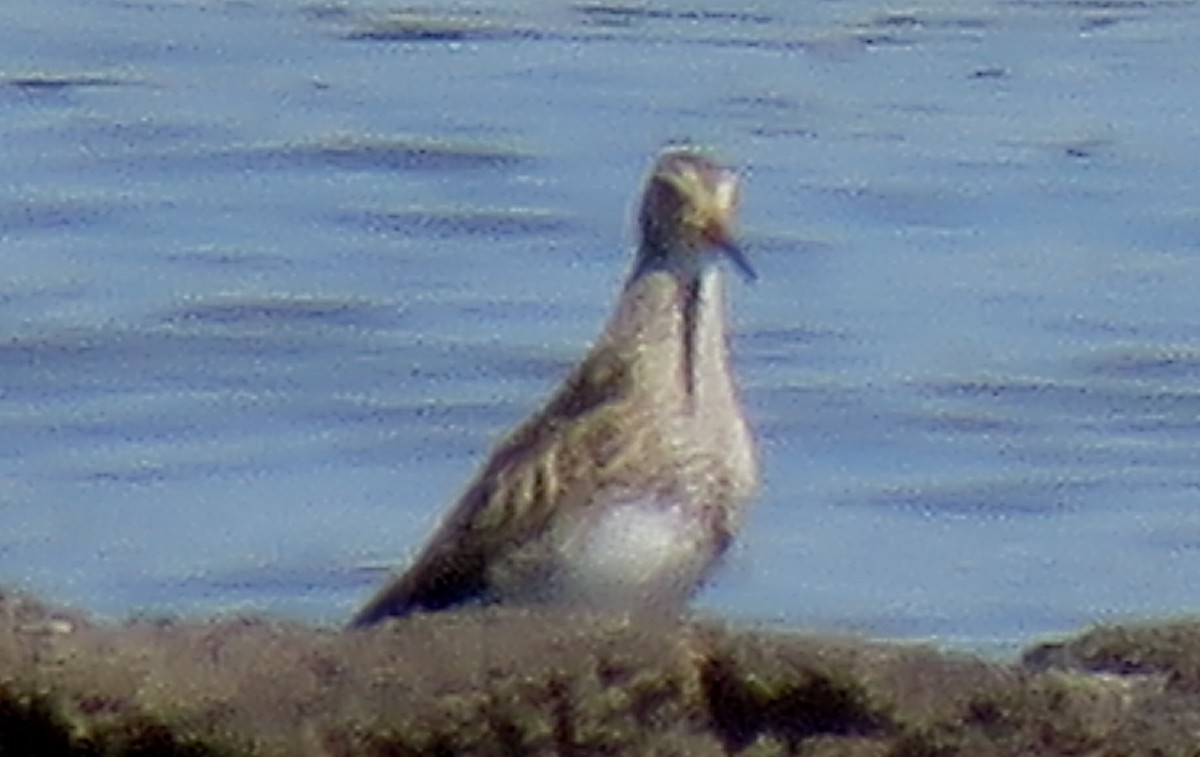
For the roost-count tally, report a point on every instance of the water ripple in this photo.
(461, 222)
(55, 82)
(985, 498)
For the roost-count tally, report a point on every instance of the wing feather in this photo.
(554, 455)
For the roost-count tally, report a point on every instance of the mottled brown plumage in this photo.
(623, 491)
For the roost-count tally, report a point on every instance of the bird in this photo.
(625, 489)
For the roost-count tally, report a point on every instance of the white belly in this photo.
(633, 555)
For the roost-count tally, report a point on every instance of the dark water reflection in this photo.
(276, 276)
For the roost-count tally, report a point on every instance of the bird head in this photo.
(688, 210)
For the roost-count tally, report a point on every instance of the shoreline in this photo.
(488, 681)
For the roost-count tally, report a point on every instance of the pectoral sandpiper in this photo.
(622, 492)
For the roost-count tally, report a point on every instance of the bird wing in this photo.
(551, 461)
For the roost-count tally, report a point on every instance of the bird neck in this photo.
(672, 313)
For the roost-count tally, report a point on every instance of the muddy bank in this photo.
(517, 682)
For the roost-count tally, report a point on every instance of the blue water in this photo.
(276, 275)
